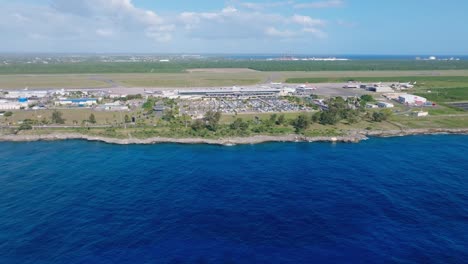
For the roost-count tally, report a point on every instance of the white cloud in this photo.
(19, 18)
(274, 32)
(119, 24)
(262, 6)
(317, 32)
(229, 9)
(307, 21)
(122, 12)
(104, 32)
(348, 24)
(320, 4)
(231, 23)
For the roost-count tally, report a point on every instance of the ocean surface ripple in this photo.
(393, 200)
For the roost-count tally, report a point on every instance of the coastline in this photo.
(352, 137)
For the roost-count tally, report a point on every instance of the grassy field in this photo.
(445, 110)
(460, 121)
(443, 95)
(49, 81)
(422, 81)
(181, 66)
(70, 115)
(212, 78)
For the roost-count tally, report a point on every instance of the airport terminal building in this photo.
(231, 92)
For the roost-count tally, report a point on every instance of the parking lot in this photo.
(233, 106)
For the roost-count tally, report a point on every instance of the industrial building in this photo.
(12, 105)
(410, 99)
(115, 106)
(26, 94)
(81, 102)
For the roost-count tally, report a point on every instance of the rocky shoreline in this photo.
(352, 137)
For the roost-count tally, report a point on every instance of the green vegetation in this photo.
(445, 110)
(26, 125)
(379, 116)
(57, 117)
(149, 104)
(301, 123)
(129, 97)
(127, 119)
(460, 121)
(181, 66)
(8, 114)
(442, 95)
(92, 119)
(426, 81)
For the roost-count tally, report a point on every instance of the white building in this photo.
(26, 94)
(287, 91)
(410, 99)
(77, 102)
(421, 114)
(115, 106)
(10, 105)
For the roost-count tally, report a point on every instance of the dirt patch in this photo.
(222, 70)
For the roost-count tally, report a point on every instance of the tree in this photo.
(381, 116)
(168, 115)
(57, 117)
(25, 126)
(149, 104)
(198, 125)
(281, 120)
(316, 117)
(8, 114)
(329, 118)
(378, 117)
(273, 118)
(92, 119)
(44, 121)
(366, 99)
(185, 119)
(239, 124)
(127, 119)
(212, 120)
(301, 123)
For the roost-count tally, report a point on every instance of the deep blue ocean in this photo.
(393, 200)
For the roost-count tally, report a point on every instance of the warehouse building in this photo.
(81, 102)
(410, 99)
(26, 94)
(12, 105)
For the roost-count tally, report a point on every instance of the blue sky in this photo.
(236, 26)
